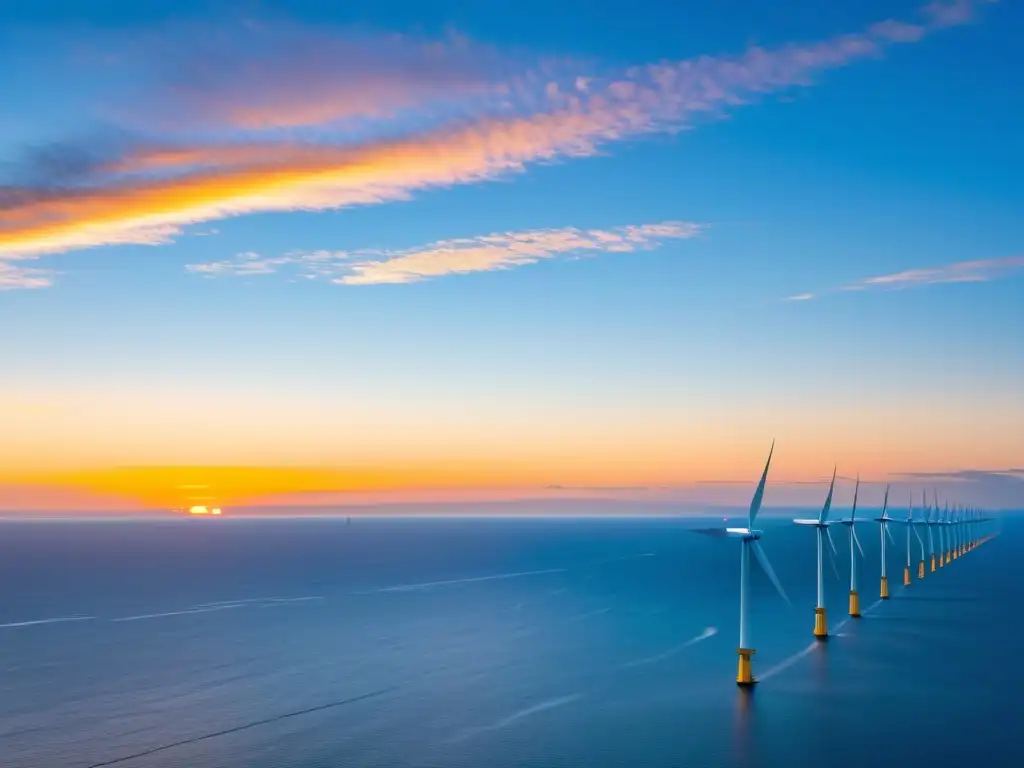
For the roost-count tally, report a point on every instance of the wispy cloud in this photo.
(498, 251)
(978, 271)
(15, 277)
(380, 120)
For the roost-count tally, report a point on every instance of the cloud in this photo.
(961, 272)
(15, 277)
(381, 119)
(498, 251)
(978, 271)
(966, 474)
(996, 487)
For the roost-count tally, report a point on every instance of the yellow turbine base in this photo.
(885, 587)
(906, 576)
(956, 553)
(942, 560)
(745, 674)
(920, 570)
(933, 563)
(820, 623)
(854, 604)
(948, 558)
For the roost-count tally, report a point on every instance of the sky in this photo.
(322, 253)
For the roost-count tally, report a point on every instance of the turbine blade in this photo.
(762, 559)
(755, 503)
(832, 555)
(856, 488)
(828, 499)
(885, 528)
(856, 540)
(885, 503)
(828, 533)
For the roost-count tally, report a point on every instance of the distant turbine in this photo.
(940, 529)
(947, 521)
(854, 541)
(821, 528)
(909, 522)
(883, 526)
(914, 524)
(749, 538)
(929, 519)
(956, 532)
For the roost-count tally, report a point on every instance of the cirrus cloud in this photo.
(977, 271)
(379, 127)
(498, 251)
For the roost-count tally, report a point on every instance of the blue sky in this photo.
(892, 161)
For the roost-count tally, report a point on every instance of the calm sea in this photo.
(469, 643)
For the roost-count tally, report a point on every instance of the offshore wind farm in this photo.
(291, 639)
(454, 384)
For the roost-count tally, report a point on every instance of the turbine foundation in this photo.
(933, 563)
(920, 570)
(854, 604)
(820, 624)
(906, 576)
(885, 587)
(745, 674)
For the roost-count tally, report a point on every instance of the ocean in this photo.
(490, 643)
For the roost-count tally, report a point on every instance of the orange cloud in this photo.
(569, 114)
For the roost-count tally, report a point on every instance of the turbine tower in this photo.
(929, 520)
(909, 522)
(956, 531)
(749, 542)
(947, 522)
(883, 531)
(854, 542)
(914, 524)
(821, 529)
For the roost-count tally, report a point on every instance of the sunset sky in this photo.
(397, 251)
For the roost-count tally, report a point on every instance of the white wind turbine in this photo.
(913, 524)
(883, 525)
(854, 542)
(821, 529)
(947, 523)
(955, 528)
(929, 520)
(749, 542)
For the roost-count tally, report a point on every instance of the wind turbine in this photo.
(940, 529)
(929, 520)
(909, 522)
(854, 541)
(956, 531)
(821, 529)
(913, 524)
(947, 521)
(883, 531)
(749, 542)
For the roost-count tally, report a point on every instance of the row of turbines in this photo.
(956, 532)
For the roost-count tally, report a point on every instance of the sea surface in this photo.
(480, 643)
